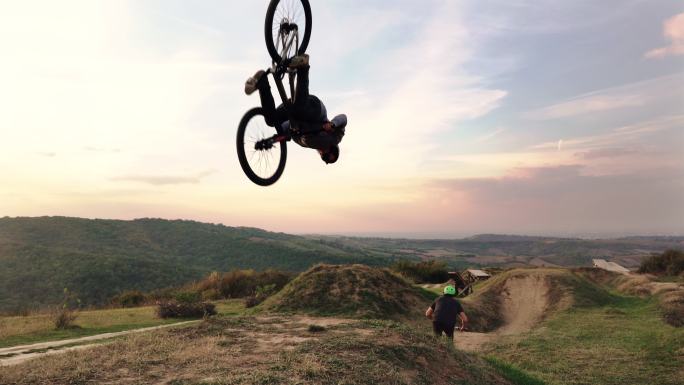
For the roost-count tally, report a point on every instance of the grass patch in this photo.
(39, 328)
(513, 374)
(241, 350)
(619, 340)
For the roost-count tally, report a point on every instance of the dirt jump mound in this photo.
(517, 300)
(350, 290)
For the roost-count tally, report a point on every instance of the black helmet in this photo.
(331, 155)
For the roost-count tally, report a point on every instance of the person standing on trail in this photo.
(445, 311)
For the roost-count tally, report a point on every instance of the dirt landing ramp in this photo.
(525, 302)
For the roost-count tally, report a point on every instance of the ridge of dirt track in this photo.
(525, 300)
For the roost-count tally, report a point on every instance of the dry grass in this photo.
(670, 295)
(264, 351)
(40, 327)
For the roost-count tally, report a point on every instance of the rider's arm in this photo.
(464, 320)
(428, 312)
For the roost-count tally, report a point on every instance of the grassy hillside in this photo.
(97, 259)
(351, 291)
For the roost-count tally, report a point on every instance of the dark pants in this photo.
(439, 327)
(306, 108)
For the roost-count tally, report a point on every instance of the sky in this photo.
(465, 116)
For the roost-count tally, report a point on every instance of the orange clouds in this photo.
(673, 29)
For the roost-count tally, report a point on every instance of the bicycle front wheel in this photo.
(263, 165)
(281, 37)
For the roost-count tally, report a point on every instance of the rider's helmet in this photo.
(331, 155)
(449, 290)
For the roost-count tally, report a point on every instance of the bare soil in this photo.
(525, 302)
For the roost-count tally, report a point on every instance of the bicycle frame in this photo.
(278, 70)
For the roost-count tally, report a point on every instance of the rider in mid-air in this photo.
(309, 117)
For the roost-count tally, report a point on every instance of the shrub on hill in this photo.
(240, 283)
(350, 290)
(670, 262)
(130, 298)
(423, 272)
(177, 309)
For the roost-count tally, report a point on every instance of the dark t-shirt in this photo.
(446, 310)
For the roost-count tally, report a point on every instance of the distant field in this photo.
(39, 328)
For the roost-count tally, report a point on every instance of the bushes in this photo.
(131, 298)
(176, 309)
(670, 262)
(65, 314)
(260, 294)
(241, 283)
(423, 272)
(64, 318)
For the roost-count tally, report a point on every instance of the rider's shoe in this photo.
(251, 83)
(299, 61)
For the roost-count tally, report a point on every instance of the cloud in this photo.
(490, 136)
(163, 180)
(585, 105)
(47, 154)
(101, 149)
(600, 153)
(419, 89)
(632, 133)
(673, 29)
(643, 93)
(565, 199)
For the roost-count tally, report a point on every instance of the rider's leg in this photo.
(302, 91)
(274, 117)
(306, 106)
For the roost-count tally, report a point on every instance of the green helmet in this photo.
(450, 290)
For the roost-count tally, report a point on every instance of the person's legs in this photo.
(302, 89)
(274, 117)
(306, 106)
(436, 328)
(449, 331)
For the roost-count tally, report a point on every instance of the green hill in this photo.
(351, 291)
(97, 259)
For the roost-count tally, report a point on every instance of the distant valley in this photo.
(97, 259)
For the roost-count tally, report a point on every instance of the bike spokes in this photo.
(263, 155)
(288, 20)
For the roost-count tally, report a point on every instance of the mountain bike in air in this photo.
(262, 150)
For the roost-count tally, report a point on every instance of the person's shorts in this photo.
(440, 327)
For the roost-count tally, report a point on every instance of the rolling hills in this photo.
(97, 259)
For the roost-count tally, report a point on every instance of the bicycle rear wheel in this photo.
(280, 16)
(263, 166)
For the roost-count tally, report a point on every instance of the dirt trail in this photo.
(525, 301)
(18, 354)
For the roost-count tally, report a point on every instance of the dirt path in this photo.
(18, 354)
(525, 301)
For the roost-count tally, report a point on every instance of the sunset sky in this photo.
(465, 116)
